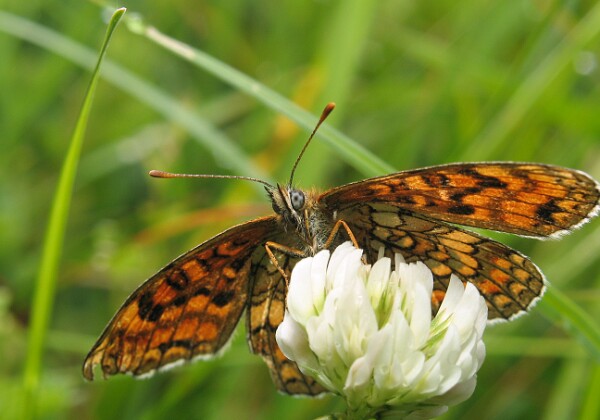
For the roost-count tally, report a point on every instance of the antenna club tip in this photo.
(326, 111)
(156, 174)
(328, 108)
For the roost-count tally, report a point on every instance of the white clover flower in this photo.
(367, 334)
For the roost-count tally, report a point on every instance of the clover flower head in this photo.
(367, 334)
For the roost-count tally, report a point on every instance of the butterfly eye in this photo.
(297, 199)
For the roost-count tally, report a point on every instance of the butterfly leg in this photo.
(335, 231)
(286, 250)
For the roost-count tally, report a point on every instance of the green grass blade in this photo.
(509, 345)
(591, 403)
(201, 130)
(559, 307)
(337, 62)
(53, 242)
(525, 96)
(353, 153)
(566, 393)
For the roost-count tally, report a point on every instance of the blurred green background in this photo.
(416, 83)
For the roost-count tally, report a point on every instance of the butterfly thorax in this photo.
(299, 211)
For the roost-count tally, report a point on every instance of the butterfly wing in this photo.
(187, 310)
(509, 282)
(265, 312)
(522, 198)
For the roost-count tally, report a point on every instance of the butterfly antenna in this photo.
(162, 174)
(328, 108)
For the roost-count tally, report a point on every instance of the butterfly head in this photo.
(289, 203)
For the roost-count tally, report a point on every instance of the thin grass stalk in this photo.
(43, 299)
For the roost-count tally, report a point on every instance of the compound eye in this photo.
(297, 199)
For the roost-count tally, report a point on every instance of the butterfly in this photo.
(189, 309)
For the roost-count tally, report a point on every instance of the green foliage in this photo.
(43, 299)
(417, 83)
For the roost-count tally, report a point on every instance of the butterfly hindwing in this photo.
(527, 199)
(508, 281)
(265, 312)
(188, 309)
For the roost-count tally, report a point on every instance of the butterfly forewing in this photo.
(521, 198)
(186, 310)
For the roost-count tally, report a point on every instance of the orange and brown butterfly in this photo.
(189, 309)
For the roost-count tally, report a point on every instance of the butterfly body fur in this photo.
(190, 308)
